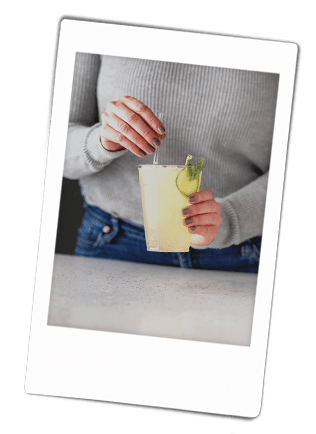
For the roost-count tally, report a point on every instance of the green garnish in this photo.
(188, 181)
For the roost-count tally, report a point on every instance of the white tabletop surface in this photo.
(152, 300)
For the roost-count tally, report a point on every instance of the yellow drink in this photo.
(162, 204)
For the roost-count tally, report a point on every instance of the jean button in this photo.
(106, 229)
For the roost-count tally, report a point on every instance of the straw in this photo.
(160, 117)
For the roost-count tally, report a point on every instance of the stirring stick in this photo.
(160, 116)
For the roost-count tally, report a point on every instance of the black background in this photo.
(70, 216)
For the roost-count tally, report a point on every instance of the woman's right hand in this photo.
(130, 124)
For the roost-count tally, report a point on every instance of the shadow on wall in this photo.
(70, 216)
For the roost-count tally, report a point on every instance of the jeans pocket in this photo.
(95, 233)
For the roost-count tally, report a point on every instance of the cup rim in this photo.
(162, 165)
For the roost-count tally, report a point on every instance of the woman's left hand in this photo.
(202, 217)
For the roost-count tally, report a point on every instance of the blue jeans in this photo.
(125, 241)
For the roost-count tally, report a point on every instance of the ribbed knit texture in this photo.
(224, 115)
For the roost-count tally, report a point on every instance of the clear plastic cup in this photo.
(162, 204)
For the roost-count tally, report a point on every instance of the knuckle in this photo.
(210, 206)
(104, 132)
(205, 230)
(110, 105)
(104, 141)
(124, 128)
(131, 117)
(140, 107)
(209, 219)
(133, 148)
(147, 133)
(104, 118)
(139, 141)
(119, 137)
(198, 208)
(196, 221)
(206, 194)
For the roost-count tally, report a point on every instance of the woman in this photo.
(223, 115)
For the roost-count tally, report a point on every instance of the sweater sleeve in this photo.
(242, 215)
(84, 153)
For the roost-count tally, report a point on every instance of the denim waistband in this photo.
(104, 217)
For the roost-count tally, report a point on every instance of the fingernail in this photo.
(185, 211)
(156, 142)
(150, 148)
(191, 198)
(193, 228)
(188, 221)
(142, 153)
(161, 129)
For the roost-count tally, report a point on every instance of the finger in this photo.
(160, 136)
(202, 235)
(211, 206)
(121, 111)
(145, 113)
(203, 220)
(207, 232)
(200, 196)
(124, 128)
(110, 135)
(110, 146)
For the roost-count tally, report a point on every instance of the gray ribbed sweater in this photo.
(224, 115)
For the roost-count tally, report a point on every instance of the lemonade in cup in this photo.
(165, 190)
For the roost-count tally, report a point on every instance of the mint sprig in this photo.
(194, 171)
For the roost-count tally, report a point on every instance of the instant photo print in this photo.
(150, 334)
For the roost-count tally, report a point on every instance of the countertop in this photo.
(152, 300)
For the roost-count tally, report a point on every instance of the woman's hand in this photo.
(130, 124)
(202, 218)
